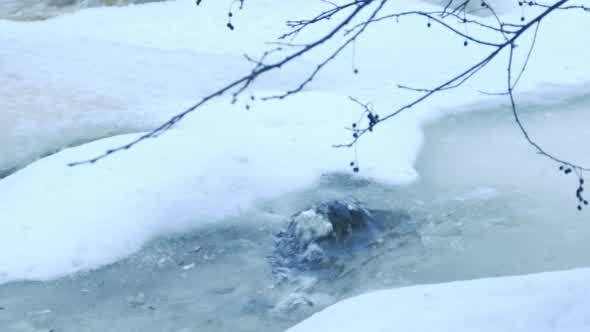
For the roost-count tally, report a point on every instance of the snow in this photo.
(108, 71)
(544, 302)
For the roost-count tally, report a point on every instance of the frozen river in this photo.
(180, 234)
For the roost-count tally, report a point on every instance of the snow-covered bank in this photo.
(546, 302)
(102, 74)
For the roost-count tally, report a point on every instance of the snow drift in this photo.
(545, 302)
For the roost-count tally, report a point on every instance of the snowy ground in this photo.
(544, 302)
(237, 175)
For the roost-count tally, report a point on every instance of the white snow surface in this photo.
(544, 302)
(104, 71)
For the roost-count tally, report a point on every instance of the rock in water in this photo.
(316, 237)
(309, 226)
(298, 245)
(345, 217)
(326, 242)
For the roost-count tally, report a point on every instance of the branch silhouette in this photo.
(352, 19)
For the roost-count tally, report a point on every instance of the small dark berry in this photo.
(356, 169)
(465, 43)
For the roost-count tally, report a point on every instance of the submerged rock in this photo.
(326, 244)
(299, 245)
(345, 216)
(326, 234)
(309, 226)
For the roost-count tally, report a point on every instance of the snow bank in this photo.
(57, 220)
(108, 71)
(546, 302)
